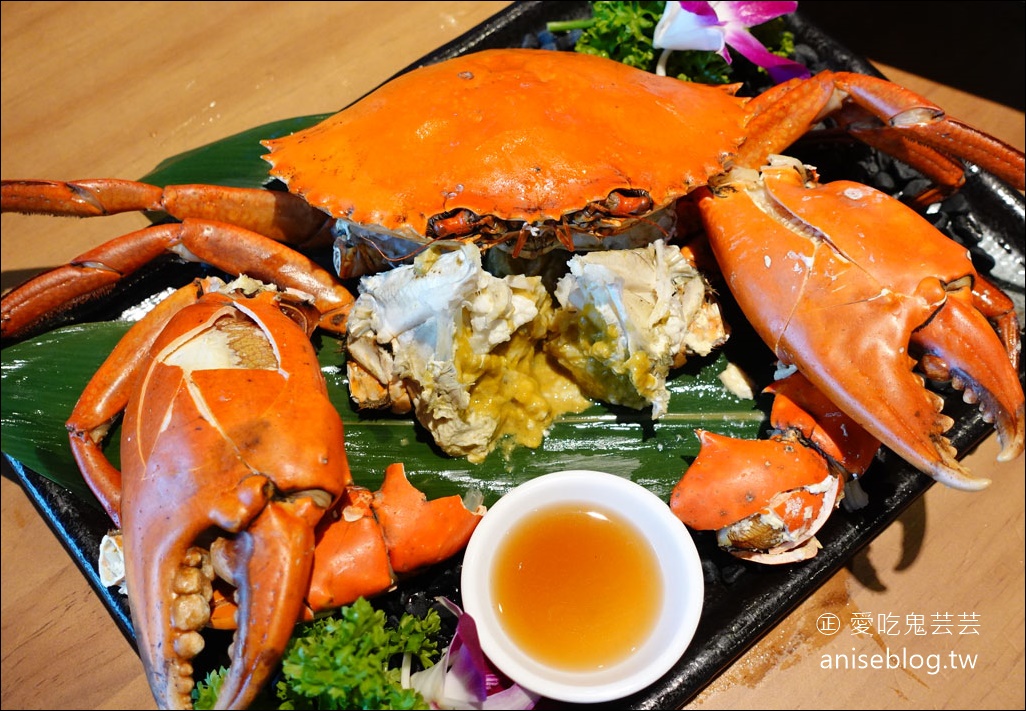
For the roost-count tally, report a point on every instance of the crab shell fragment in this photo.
(765, 498)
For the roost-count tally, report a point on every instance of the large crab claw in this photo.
(852, 287)
(227, 432)
(270, 562)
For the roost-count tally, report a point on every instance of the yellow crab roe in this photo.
(592, 350)
(517, 384)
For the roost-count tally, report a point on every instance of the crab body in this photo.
(531, 148)
(511, 142)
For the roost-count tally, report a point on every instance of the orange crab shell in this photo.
(452, 135)
(734, 479)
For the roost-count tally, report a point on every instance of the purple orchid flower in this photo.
(712, 26)
(464, 678)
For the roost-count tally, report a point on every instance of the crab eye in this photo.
(454, 223)
(624, 203)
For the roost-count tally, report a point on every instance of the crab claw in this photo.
(766, 499)
(842, 281)
(270, 566)
(244, 455)
(371, 539)
(951, 352)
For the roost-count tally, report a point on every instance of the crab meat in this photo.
(111, 561)
(628, 317)
(459, 347)
(480, 358)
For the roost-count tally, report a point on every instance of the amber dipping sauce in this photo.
(577, 587)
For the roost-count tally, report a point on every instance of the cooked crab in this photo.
(537, 150)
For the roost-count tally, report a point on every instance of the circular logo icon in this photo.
(828, 623)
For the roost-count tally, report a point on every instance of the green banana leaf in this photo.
(42, 378)
(233, 161)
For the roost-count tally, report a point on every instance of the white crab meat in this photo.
(627, 317)
(737, 382)
(479, 358)
(462, 349)
(111, 561)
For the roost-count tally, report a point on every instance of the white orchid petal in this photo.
(715, 26)
(680, 30)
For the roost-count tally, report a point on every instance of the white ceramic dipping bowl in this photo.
(681, 599)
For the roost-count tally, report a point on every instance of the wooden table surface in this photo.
(109, 89)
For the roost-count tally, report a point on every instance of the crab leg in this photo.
(801, 408)
(881, 114)
(225, 246)
(248, 454)
(274, 213)
(351, 557)
(421, 532)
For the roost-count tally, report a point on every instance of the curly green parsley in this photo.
(350, 660)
